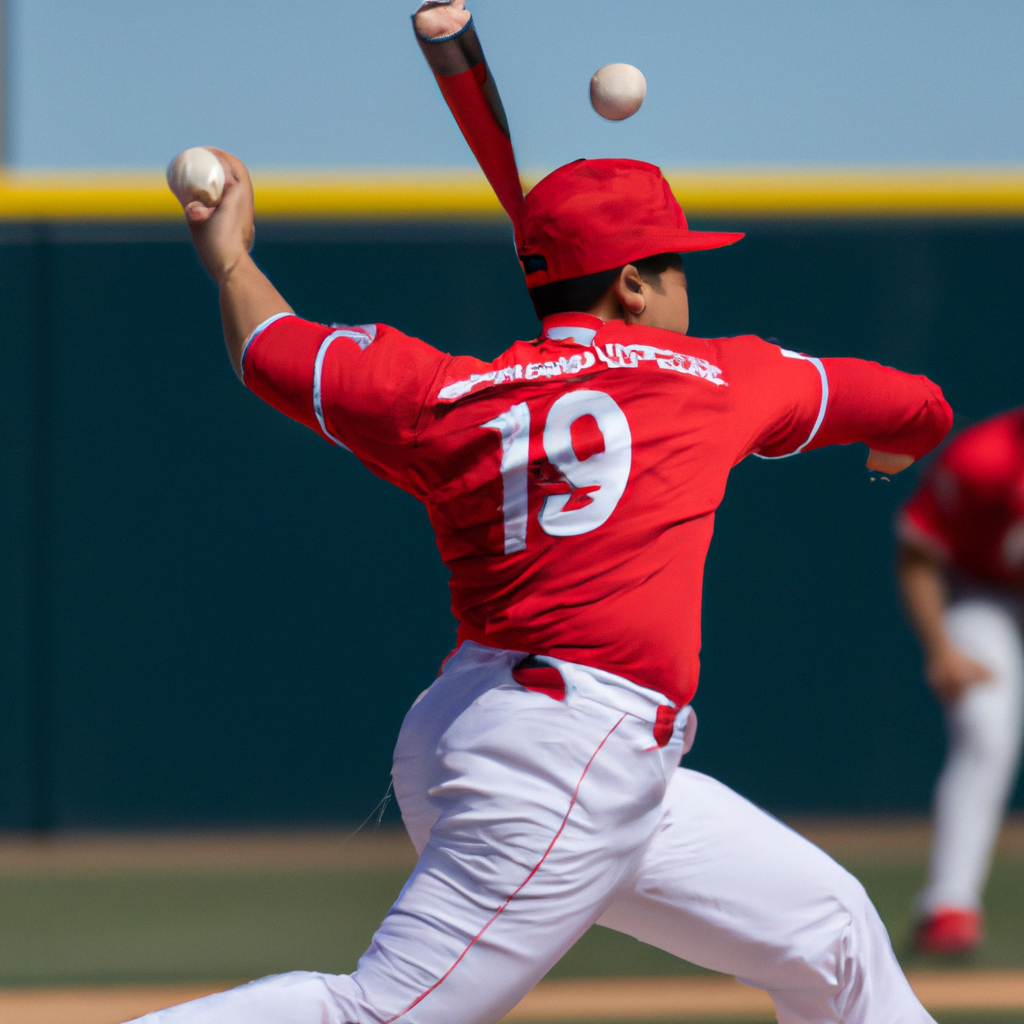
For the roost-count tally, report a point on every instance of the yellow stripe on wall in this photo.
(843, 192)
(464, 194)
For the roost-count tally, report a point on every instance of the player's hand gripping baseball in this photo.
(438, 18)
(952, 673)
(223, 234)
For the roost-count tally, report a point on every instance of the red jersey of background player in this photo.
(970, 508)
(572, 483)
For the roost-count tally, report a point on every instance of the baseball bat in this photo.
(469, 89)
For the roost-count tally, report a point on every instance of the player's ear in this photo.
(629, 290)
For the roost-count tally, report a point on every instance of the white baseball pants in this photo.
(536, 818)
(984, 729)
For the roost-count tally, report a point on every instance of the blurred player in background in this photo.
(961, 571)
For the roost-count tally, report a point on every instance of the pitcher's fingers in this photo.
(197, 212)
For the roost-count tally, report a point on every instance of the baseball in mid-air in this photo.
(617, 90)
(196, 174)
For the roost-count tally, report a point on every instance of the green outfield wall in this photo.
(210, 617)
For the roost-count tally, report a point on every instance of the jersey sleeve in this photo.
(783, 397)
(886, 409)
(362, 388)
(798, 403)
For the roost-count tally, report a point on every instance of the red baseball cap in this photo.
(596, 215)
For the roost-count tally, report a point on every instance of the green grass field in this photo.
(61, 928)
(602, 952)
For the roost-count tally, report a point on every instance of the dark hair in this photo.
(580, 294)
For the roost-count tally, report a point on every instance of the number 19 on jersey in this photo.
(587, 439)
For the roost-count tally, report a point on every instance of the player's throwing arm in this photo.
(215, 191)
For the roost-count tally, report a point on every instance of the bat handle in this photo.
(439, 19)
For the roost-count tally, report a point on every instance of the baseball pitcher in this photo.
(572, 485)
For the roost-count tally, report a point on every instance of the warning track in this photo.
(600, 1000)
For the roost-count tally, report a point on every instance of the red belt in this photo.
(532, 674)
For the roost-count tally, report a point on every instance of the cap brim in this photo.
(641, 246)
(694, 241)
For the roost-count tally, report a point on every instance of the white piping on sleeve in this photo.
(255, 334)
(819, 366)
(318, 369)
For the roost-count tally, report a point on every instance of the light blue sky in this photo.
(333, 83)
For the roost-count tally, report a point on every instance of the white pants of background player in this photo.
(983, 756)
(537, 818)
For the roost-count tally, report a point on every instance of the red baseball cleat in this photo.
(949, 930)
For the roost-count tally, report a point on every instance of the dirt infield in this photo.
(639, 999)
(91, 1005)
(623, 999)
(847, 837)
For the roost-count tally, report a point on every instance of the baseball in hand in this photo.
(617, 90)
(196, 176)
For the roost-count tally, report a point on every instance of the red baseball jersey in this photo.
(572, 483)
(970, 508)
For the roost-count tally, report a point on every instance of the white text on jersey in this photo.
(614, 356)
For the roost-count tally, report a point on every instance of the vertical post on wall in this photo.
(42, 577)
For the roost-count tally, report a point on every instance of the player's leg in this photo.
(983, 755)
(726, 886)
(531, 811)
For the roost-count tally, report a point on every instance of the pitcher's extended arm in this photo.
(223, 236)
(899, 416)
